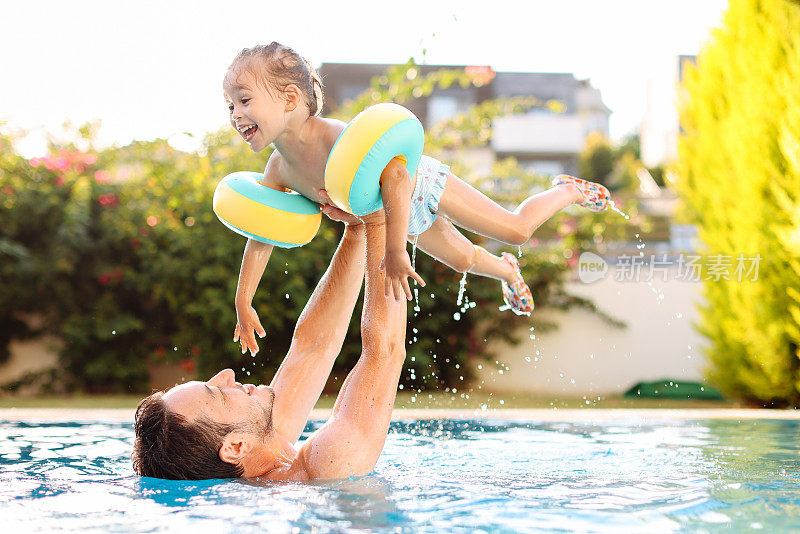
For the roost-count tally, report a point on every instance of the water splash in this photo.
(462, 286)
(615, 208)
(414, 266)
(519, 251)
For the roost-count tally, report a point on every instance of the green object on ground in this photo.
(673, 389)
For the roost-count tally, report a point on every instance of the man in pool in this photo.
(224, 429)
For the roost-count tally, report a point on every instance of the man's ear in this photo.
(235, 447)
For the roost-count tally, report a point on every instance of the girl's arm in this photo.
(254, 261)
(396, 195)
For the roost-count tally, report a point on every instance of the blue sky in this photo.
(150, 69)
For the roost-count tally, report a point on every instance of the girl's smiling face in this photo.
(254, 111)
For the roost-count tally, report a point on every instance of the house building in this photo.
(541, 140)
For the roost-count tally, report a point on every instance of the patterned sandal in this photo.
(517, 296)
(595, 196)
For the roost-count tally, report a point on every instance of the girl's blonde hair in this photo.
(277, 66)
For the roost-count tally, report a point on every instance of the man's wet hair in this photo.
(168, 446)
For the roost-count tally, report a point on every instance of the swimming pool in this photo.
(434, 476)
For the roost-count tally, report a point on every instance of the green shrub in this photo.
(740, 177)
(120, 255)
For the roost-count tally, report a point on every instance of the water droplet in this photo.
(113, 332)
(457, 316)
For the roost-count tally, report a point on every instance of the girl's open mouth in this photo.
(249, 132)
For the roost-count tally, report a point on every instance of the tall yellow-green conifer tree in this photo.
(739, 167)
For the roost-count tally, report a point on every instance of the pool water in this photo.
(433, 476)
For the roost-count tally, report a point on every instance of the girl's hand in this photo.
(398, 268)
(247, 322)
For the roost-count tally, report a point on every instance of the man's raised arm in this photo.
(318, 336)
(351, 441)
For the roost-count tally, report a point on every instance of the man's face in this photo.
(224, 400)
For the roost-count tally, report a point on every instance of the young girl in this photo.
(274, 96)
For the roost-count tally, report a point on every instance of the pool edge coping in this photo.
(529, 414)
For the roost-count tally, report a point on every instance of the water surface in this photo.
(434, 476)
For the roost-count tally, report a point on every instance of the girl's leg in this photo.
(471, 209)
(449, 246)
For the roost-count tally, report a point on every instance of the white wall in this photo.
(587, 356)
(29, 356)
(538, 133)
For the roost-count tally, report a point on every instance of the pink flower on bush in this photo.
(101, 177)
(135, 244)
(109, 200)
(161, 352)
(188, 365)
(59, 181)
(107, 277)
(8, 190)
(480, 74)
(65, 160)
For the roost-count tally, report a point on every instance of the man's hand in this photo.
(397, 268)
(336, 214)
(247, 322)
